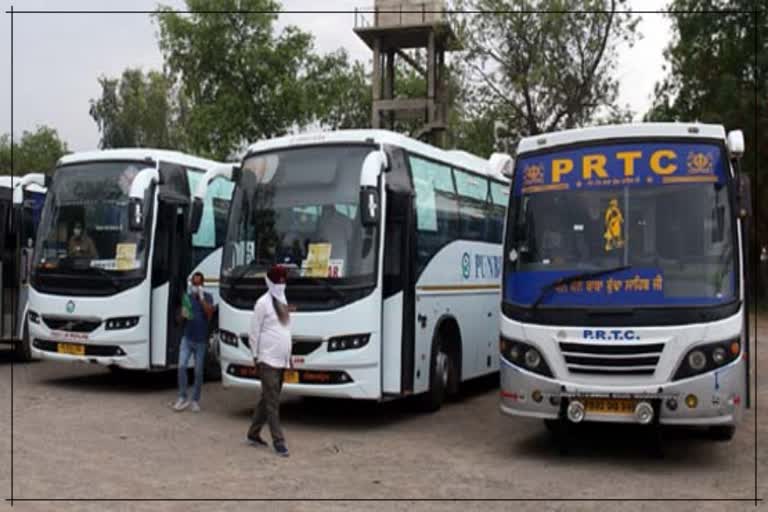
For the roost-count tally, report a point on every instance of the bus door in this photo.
(398, 314)
(169, 278)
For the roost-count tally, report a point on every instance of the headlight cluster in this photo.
(227, 338)
(708, 357)
(33, 317)
(348, 342)
(524, 355)
(125, 322)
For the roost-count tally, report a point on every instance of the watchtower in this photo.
(393, 27)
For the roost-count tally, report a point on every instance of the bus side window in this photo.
(473, 205)
(437, 219)
(497, 209)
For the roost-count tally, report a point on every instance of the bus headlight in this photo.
(348, 342)
(708, 357)
(124, 322)
(524, 355)
(227, 338)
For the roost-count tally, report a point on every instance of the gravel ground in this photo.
(82, 432)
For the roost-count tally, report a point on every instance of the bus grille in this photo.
(611, 359)
(71, 324)
(299, 347)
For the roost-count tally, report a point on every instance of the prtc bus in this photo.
(394, 248)
(114, 254)
(624, 278)
(21, 201)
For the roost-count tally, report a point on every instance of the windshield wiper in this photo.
(548, 288)
(112, 279)
(241, 271)
(325, 285)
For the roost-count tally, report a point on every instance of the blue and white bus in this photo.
(395, 247)
(624, 263)
(114, 253)
(21, 201)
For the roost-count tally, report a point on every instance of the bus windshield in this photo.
(299, 207)
(84, 225)
(647, 224)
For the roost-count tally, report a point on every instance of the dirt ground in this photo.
(82, 432)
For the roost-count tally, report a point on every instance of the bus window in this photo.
(496, 209)
(473, 200)
(212, 230)
(436, 208)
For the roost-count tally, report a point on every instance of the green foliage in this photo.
(138, 110)
(36, 151)
(717, 69)
(246, 82)
(546, 71)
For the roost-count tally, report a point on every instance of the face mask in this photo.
(277, 291)
(77, 231)
(195, 290)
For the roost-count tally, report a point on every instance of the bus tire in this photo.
(439, 377)
(722, 432)
(212, 370)
(23, 348)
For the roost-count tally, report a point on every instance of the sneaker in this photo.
(256, 440)
(181, 404)
(194, 406)
(281, 449)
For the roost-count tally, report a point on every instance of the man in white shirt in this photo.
(270, 340)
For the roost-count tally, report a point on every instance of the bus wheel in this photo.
(439, 377)
(722, 432)
(22, 349)
(212, 370)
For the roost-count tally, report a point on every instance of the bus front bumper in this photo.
(718, 397)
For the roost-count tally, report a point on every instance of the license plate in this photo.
(291, 377)
(609, 405)
(71, 348)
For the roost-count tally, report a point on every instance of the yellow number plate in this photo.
(609, 405)
(71, 348)
(291, 377)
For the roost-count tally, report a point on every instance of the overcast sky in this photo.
(58, 57)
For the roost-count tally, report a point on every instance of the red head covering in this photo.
(278, 274)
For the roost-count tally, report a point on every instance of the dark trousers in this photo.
(268, 410)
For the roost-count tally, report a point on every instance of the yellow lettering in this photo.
(561, 166)
(629, 158)
(656, 165)
(593, 163)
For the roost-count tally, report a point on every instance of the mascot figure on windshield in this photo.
(614, 220)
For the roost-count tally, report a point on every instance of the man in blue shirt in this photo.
(197, 310)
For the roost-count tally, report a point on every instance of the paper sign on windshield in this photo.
(125, 256)
(318, 258)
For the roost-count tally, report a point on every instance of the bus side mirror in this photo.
(196, 215)
(736, 143)
(369, 206)
(744, 199)
(135, 215)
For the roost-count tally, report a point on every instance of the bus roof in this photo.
(620, 131)
(139, 154)
(459, 158)
(5, 182)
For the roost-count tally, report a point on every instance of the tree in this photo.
(717, 67)
(138, 110)
(542, 71)
(243, 81)
(36, 151)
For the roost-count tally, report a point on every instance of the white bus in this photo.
(624, 296)
(21, 201)
(395, 247)
(111, 296)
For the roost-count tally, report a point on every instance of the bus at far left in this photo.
(113, 256)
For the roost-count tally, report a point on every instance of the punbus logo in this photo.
(533, 174)
(700, 163)
(465, 265)
(70, 306)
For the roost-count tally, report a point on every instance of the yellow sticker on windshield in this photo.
(316, 264)
(614, 223)
(125, 256)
